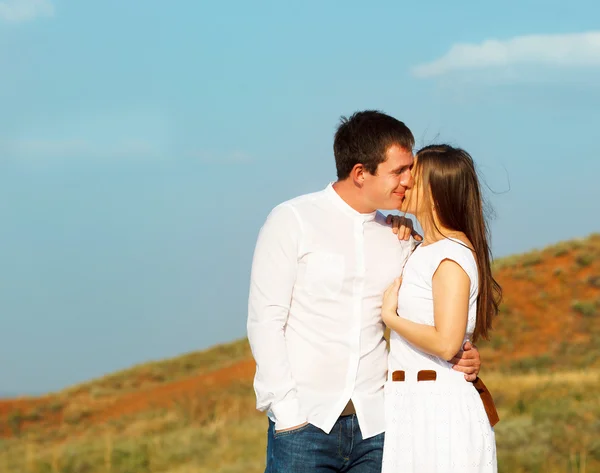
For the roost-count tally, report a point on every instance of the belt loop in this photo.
(426, 375)
(398, 375)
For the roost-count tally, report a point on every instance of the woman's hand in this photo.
(403, 227)
(390, 302)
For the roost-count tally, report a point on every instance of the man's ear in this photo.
(358, 174)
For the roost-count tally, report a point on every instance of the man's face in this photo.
(386, 189)
(414, 200)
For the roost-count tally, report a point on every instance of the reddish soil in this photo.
(165, 395)
(101, 411)
(540, 317)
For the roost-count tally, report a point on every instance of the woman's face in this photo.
(415, 201)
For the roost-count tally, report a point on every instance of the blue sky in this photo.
(142, 144)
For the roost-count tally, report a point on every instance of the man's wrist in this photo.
(294, 427)
(287, 414)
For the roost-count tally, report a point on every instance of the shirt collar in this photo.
(342, 205)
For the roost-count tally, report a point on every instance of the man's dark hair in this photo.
(364, 139)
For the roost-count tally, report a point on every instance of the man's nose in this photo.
(407, 180)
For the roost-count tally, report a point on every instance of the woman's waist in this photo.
(406, 354)
(426, 374)
(419, 366)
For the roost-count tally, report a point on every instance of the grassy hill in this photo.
(195, 413)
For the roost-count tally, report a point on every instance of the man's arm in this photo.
(274, 268)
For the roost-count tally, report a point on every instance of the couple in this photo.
(326, 277)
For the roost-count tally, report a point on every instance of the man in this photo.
(321, 264)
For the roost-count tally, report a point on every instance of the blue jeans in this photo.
(310, 450)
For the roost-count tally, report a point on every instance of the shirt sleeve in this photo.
(273, 275)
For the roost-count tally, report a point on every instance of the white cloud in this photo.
(55, 150)
(17, 11)
(33, 151)
(558, 51)
(47, 147)
(100, 135)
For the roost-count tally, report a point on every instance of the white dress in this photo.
(434, 426)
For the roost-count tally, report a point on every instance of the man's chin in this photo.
(399, 203)
(392, 203)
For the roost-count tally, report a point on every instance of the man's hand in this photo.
(294, 428)
(467, 361)
(403, 227)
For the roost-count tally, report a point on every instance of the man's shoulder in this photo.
(382, 225)
(301, 202)
(389, 237)
(295, 209)
(305, 199)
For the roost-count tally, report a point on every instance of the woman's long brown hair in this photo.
(449, 173)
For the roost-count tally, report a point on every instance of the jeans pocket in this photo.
(285, 433)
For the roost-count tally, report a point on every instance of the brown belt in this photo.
(484, 393)
(348, 410)
(488, 402)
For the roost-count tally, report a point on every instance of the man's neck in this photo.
(350, 193)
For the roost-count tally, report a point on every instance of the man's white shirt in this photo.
(314, 313)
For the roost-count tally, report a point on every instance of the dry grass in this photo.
(548, 421)
(196, 413)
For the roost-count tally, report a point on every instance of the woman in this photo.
(436, 420)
